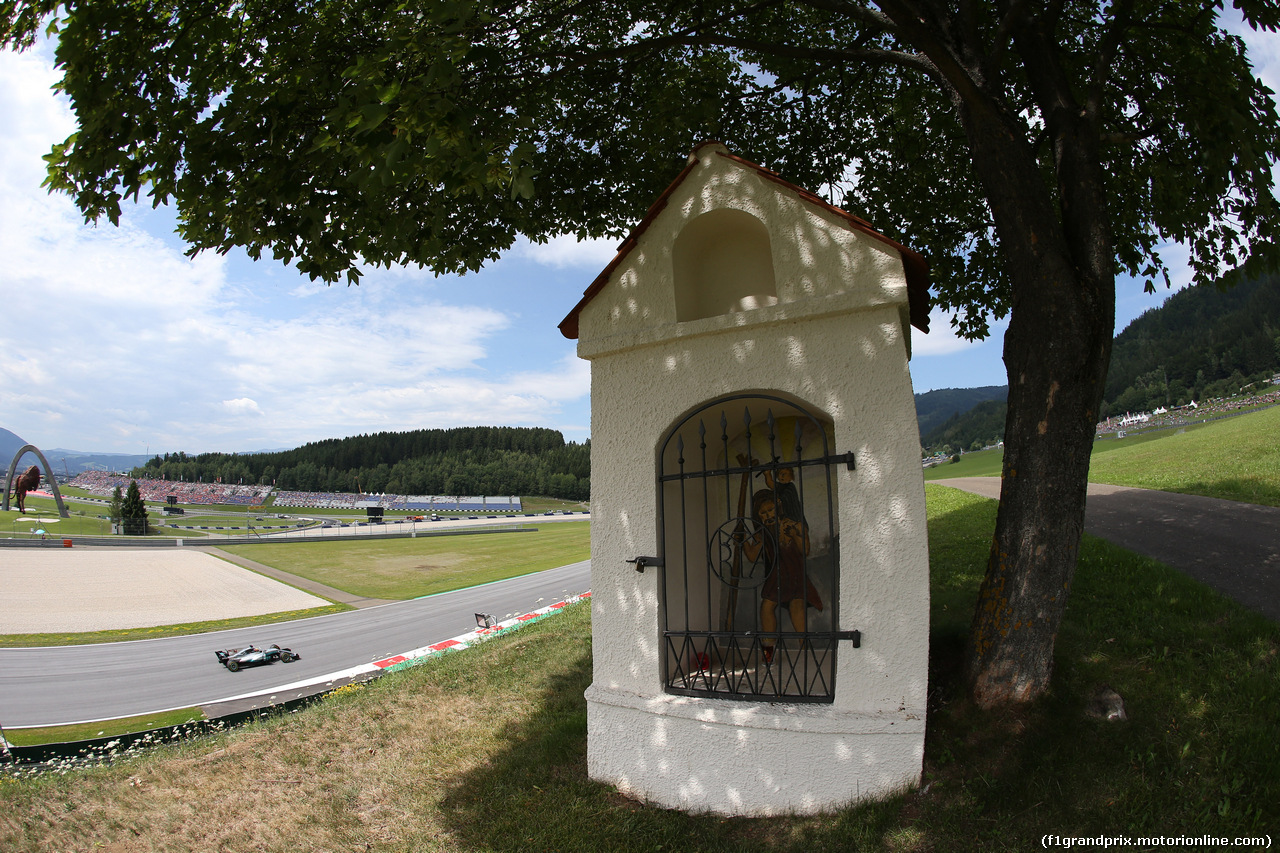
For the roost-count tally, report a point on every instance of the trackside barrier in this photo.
(480, 635)
(103, 749)
(136, 542)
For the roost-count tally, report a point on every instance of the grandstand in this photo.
(404, 503)
(104, 483)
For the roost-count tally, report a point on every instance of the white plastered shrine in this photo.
(760, 586)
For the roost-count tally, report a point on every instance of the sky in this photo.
(112, 340)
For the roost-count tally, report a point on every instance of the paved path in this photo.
(1231, 546)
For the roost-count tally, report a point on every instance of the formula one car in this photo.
(252, 656)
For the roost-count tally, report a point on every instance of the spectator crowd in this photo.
(104, 483)
(1182, 415)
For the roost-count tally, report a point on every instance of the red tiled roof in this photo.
(914, 265)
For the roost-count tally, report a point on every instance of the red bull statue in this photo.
(27, 481)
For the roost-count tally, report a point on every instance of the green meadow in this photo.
(1236, 459)
(485, 750)
(425, 565)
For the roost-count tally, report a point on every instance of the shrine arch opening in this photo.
(749, 546)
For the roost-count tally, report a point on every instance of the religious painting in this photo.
(750, 539)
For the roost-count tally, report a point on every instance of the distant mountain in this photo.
(933, 408)
(10, 444)
(1201, 343)
(972, 430)
(76, 461)
(67, 462)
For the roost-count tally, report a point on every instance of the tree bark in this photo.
(1057, 351)
(1054, 394)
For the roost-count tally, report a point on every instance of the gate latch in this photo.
(854, 636)
(641, 562)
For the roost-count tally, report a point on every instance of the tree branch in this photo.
(913, 28)
(869, 56)
(1107, 50)
(855, 10)
(1015, 15)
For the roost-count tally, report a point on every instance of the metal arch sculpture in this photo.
(48, 473)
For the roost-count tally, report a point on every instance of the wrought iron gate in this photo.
(749, 544)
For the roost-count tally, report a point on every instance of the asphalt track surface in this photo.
(1231, 546)
(57, 685)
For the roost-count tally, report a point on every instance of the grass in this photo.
(1236, 459)
(121, 635)
(83, 520)
(392, 569)
(1200, 677)
(980, 463)
(543, 504)
(485, 750)
(88, 731)
(399, 569)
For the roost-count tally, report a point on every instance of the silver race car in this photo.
(233, 659)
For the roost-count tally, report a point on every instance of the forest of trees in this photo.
(1202, 343)
(943, 406)
(461, 461)
(973, 430)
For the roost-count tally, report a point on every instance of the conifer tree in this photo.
(134, 512)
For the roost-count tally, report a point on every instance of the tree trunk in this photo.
(1053, 404)
(1057, 350)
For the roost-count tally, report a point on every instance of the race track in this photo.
(56, 685)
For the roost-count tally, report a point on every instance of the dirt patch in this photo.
(63, 590)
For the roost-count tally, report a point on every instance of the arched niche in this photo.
(723, 264)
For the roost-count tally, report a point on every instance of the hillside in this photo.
(460, 461)
(9, 445)
(981, 426)
(933, 408)
(1201, 343)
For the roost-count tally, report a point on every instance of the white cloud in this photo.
(124, 343)
(568, 251)
(242, 405)
(1263, 48)
(942, 338)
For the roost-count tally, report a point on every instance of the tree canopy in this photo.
(459, 461)
(1029, 150)
(434, 131)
